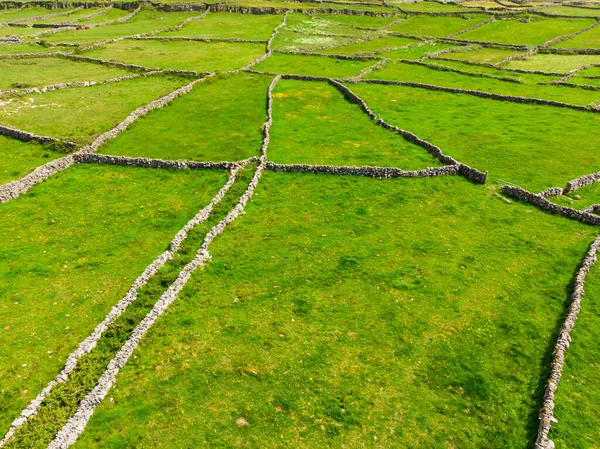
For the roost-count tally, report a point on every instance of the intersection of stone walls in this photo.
(543, 203)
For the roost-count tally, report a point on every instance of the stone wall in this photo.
(94, 158)
(582, 182)
(25, 136)
(562, 344)
(371, 172)
(443, 68)
(543, 203)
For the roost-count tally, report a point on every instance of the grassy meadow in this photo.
(335, 311)
(345, 311)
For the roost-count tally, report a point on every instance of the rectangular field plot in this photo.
(314, 124)
(413, 51)
(312, 65)
(301, 23)
(207, 124)
(78, 114)
(19, 158)
(437, 26)
(70, 249)
(530, 31)
(289, 41)
(589, 39)
(374, 46)
(17, 31)
(579, 393)
(364, 21)
(571, 11)
(341, 309)
(554, 63)
(529, 78)
(429, 7)
(145, 21)
(14, 49)
(516, 143)
(478, 54)
(424, 75)
(228, 25)
(40, 72)
(75, 16)
(181, 55)
(17, 14)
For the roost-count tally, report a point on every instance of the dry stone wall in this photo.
(25, 136)
(562, 344)
(87, 345)
(543, 203)
(371, 172)
(582, 182)
(94, 158)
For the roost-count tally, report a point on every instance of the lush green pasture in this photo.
(70, 250)
(314, 124)
(414, 51)
(228, 25)
(206, 124)
(364, 21)
(77, 15)
(112, 14)
(302, 23)
(590, 71)
(290, 41)
(350, 312)
(437, 26)
(585, 81)
(181, 55)
(13, 14)
(17, 31)
(19, 158)
(478, 54)
(144, 22)
(14, 49)
(429, 7)
(517, 143)
(379, 45)
(40, 72)
(312, 65)
(465, 67)
(554, 63)
(425, 75)
(531, 31)
(81, 113)
(571, 11)
(294, 6)
(578, 395)
(589, 39)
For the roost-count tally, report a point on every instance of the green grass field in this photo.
(98, 232)
(530, 31)
(96, 109)
(40, 72)
(200, 126)
(338, 320)
(329, 307)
